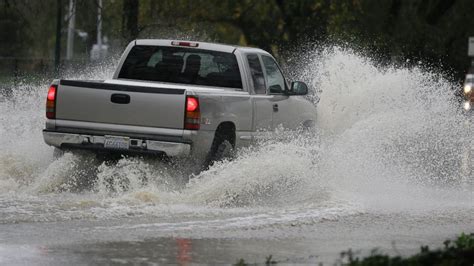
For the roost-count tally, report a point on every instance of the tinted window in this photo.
(257, 74)
(275, 79)
(182, 65)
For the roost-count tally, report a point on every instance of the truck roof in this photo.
(199, 45)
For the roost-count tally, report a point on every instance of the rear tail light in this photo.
(51, 102)
(192, 116)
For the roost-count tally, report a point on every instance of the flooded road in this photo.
(389, 166)
(153, 240)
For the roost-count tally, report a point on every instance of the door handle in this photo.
(275, 107)
(120, 98)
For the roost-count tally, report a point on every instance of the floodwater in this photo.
(389, 166)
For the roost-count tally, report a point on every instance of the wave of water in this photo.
(387, 140)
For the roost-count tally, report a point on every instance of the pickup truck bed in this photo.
(103, 102)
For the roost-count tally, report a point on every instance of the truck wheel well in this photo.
(226, 131)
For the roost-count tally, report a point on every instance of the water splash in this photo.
(387, 139)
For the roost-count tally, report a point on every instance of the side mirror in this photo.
(298, 88)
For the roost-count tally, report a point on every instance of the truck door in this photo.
(284, 107)
(262, 105)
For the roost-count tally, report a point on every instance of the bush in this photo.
(459, 252)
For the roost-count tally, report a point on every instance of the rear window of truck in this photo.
(182, 65)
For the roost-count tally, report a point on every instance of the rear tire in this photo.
(221, 149)
(225, 150)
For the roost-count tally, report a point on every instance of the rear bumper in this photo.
(96, 142)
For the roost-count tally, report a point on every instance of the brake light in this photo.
(187, 44)
(51, 102)
(191, 104)
(192, 116)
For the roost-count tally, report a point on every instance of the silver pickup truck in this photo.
(177, 98)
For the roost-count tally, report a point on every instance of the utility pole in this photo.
(99, 28)
(71, 29)
(57, 51)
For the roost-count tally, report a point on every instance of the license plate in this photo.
(116, 143)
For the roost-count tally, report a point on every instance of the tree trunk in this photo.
(57, 51)
(130, 20)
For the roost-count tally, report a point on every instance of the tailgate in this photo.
(120, 104)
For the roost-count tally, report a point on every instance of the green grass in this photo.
(458, 252)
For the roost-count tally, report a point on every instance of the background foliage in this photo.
(435, 31)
